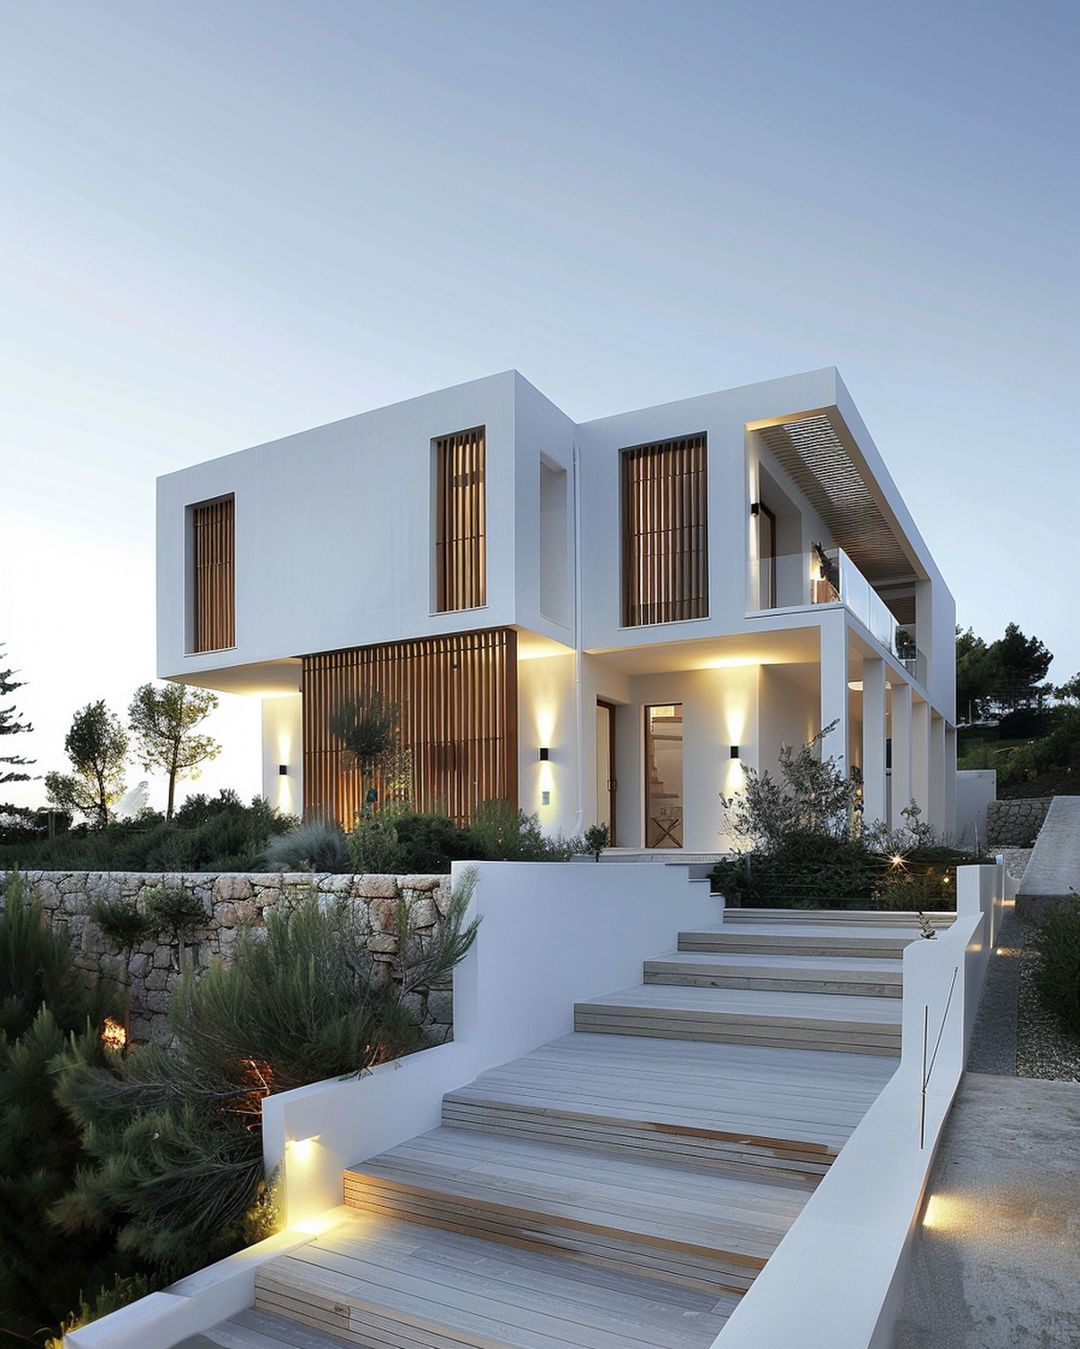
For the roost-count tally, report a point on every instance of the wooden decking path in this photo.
(619, 1187)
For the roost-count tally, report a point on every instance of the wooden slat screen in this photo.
(214, 539)
(457, 697)
(460, 521)
(665, 538)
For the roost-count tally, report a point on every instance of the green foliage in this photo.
(429, 843)
(43, 1001)
(216, 834)
(10, 724)
(595, 840)
(367, 728)
(314, 845)
(373, 844)
(165, 722)
(97, 747)
(1056, 941)
(812, 796)
(425, 962)
(177, 911)
(124, 1290)
(123, 924)
(173, 1134)
(1055, 756)
(503, 834)
(1001, 676)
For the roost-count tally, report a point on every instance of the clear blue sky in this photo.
(225, 222)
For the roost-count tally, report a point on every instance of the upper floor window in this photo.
(665, 536)
(460, 521)
(212, 577)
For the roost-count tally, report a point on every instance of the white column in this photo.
(901, 753)
(920, 757)
(834, 687)
(873, 739)
(950, 780)
(937, 772)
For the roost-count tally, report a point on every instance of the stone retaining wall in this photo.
(1015, 824)
(232, 903)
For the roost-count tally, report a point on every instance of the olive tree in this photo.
(165, 722)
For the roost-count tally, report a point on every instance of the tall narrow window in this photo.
(460, 510)
(213, 578)
(665, 544)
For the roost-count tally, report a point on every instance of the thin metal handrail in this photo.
(927, 1070)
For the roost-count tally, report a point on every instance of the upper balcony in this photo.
(828, 576)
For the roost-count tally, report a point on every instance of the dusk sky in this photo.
(223, 223)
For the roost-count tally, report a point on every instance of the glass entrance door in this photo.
(664, 776)
(605, 767)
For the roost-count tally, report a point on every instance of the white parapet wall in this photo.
(550, 935)
(837, 1277)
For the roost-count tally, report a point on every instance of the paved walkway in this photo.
(997, 1262)
(1054, 869)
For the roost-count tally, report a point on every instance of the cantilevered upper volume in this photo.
(656, 599)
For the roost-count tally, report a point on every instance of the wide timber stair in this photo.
(622, 1186)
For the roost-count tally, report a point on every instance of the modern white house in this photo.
(599, 621)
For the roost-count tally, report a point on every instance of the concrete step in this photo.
(778, 973)
(710, 1231)
(847, 1024)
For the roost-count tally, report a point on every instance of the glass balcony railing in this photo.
(828, 576)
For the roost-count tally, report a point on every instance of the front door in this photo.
(664, 776)
(605, 767)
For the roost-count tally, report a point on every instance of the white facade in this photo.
(334, 550)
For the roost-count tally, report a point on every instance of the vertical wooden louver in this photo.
(214, 583)
(457, 699)
(665, 540)
(460, 521)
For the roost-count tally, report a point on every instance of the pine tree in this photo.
(165, 722)
(10, 724)
(97, 746)
(44, 1001)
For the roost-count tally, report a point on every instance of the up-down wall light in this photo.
(545, 753)
(283, 770)
(734, 752)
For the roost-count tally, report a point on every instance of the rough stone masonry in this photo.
(233, 902)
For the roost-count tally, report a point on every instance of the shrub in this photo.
(595, 840)
(315, 845)
(173, 1135)
(176, 911)
(1056, 941)
(429, 843)
(373, 844)
(812, 795)
(503, 834)
(206, 834)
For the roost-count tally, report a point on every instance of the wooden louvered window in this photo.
(460, 514)
(213, 577)
(457, 722)
(665, 536)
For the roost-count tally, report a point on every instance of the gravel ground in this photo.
(1043, 1048)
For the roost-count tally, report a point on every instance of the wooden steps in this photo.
(856, 918)
(789, 1020)
(378, 1281)
(622, 1186)
(881, 978)
(758, 1111)
(703, 1229)
(805, 939)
